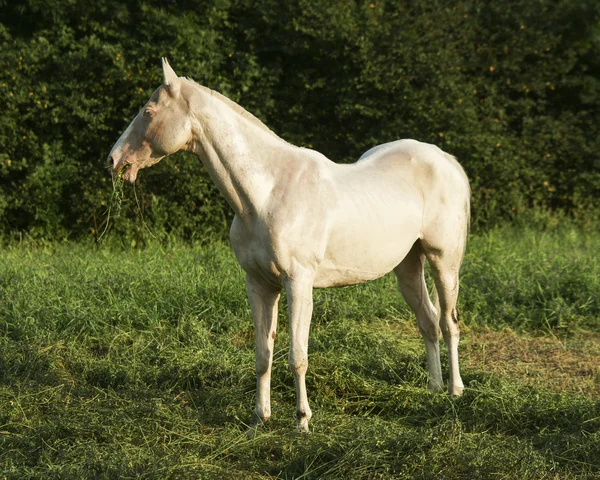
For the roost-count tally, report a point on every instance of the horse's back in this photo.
(424, 165)
(412, 154)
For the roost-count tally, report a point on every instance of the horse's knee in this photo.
(263, 362)
(298, 362)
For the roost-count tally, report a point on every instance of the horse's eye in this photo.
(148, 113)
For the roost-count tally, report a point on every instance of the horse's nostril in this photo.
(110, 161)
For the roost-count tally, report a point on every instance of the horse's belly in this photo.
(358, 256)
(334, 275)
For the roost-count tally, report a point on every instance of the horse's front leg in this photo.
(263, 303)
(300, 304)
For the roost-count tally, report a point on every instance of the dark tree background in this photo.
(511, 88)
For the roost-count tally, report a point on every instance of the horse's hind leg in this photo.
(445, 266)
(411, 282)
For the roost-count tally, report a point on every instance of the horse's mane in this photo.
(235, 107)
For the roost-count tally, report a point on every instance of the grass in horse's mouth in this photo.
(123, 170)
(116, 200)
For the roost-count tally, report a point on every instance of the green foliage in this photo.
(513, 92)
(525, 279)
(71, 81)
(123, 363)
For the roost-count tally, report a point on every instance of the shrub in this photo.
(513, 93)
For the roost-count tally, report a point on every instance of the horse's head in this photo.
(161, 128)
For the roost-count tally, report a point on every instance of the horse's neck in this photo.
(243, 158)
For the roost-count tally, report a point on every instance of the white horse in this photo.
(302, 221)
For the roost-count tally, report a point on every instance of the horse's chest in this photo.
(256, 252)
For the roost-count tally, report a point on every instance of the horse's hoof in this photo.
(252, 431)
(303, 426)
(255, 428)
(435, 387)
(456, 391)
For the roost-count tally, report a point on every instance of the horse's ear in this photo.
(168, 73)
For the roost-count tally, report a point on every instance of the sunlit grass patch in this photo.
(565, 364)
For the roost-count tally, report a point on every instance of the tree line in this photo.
(512, 89)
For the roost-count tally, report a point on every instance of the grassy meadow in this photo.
(139, 363)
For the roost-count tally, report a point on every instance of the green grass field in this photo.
(118, 363)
